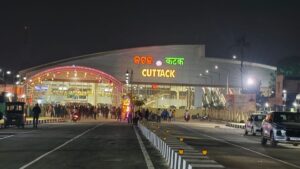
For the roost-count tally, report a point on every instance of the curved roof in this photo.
(117, 62)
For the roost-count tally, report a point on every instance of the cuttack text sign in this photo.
(149, 60)
(143, 60)
(160, 73)
(164, 73)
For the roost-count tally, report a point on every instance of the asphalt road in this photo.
(75, 145)
(229, 147)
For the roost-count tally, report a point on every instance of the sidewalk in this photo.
(41, 121)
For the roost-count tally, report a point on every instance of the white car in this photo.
(253, 124)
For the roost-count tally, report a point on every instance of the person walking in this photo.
(36, 113)
(186, 115)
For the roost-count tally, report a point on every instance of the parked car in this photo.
(281, 127)
(253, 124)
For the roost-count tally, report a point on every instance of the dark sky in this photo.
(63, 30)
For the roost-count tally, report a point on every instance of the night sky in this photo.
(63, 30)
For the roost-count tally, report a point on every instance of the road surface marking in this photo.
(6, 137)
(145, 153)
(57, 148)
(241, 147)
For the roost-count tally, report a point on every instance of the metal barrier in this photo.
(177, 154)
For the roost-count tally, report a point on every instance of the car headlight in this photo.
(280, 132)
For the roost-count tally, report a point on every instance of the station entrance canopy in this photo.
(73, 84)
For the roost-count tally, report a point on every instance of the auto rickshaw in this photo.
(13, 114)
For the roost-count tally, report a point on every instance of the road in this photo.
(229, 147)
(76, 145)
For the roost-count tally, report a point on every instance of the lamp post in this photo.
(284, 98)
(227, 76)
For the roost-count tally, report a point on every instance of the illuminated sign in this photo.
(158, 73)
(143, 60)
(174, 60)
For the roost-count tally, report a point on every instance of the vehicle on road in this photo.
(253, 124)
(75, 116)
(281, 127)
(13, 113)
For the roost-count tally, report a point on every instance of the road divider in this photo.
(41, 121)
(236, 125)
(177, 154)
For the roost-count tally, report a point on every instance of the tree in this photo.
(289, 66)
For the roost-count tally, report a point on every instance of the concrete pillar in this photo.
(198, 96)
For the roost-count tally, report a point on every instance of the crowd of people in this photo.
(160, 114)
(84, 110)
(88, 111)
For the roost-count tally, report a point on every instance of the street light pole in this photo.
(242, 43)
(227, 76)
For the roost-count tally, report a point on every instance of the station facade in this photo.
(163, 76)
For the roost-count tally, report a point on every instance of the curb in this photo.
(236, 125)
(29, 122)
(169, 149)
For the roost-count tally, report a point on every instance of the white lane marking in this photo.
(6, 137)
(241, 147)
(145, 153)
(13, 135)
(57, 148)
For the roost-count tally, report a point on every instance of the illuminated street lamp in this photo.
(234, 57)
(284, 98)
(8, 72)
(217, 68)
(250, 81)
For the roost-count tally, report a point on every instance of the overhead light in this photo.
(9, 95)
(267, 104)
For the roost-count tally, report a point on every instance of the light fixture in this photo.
(18, 76)
(295, 104)
(207, 71)
(9, 95)
(267, 105)
(8, 72)
(250, 81)
(234, 57)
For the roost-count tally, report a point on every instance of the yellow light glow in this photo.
(181, 151)
(204, 152)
